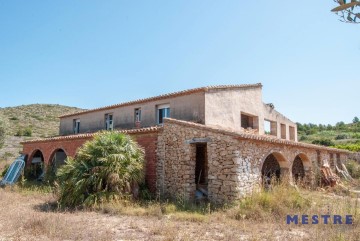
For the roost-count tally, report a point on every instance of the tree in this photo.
(2, 133)
(348, 11)
(356, 120)
(340, 125)
(104, 169)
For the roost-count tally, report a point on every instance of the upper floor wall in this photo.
(150, 113)
(243, 109)
(236, 107)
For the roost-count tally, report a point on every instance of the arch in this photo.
(300, 166)
(57, 158)
(273, 165)
(36, 165)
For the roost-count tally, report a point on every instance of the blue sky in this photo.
(94, 53)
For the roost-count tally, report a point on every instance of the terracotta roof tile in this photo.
(174, 94)
(89, 135)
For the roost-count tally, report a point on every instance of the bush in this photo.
(24, 132)
(354, 168)
(4, 171)
(28, 131)
(350, 147)
(104, 170)
(341, 137)
(19, 132)
(323, 142)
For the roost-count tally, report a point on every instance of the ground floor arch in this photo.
(37, 165)
(274, 166)
(300, 168)
(58, 158)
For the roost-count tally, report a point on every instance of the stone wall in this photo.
(235, 160)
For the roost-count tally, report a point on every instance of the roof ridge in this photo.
(162, 96)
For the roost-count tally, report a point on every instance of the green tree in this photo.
(104, 170)
(329, 127)
(340, 125)
(2, 133)
(348, 10)
(356, 120)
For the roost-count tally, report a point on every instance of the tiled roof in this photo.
(89, 135)
(262, 138)
(174, 94)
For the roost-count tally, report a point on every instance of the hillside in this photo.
(341, 135)
(28, 122)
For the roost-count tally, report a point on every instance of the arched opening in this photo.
(58, 159)
(299, 168)
(272, 167)
(36, 171)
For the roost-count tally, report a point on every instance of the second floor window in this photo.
(109, 122)
(138, 115)
(76, 126)
(163, 111)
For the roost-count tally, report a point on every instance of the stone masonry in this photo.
(235, 160)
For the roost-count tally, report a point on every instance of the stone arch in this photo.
(300, 168)
(274, 165)
(36, 163)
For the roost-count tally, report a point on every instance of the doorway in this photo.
(201, 168)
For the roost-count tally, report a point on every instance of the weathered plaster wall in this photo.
(223, 108)
(185, 107)
(273, 115)
(234, 160)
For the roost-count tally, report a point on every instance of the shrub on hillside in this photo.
(28, 131)
(24, 132)
(323, 142)
(104, 169)
(341, 137)
(355, 147)
(353, 168)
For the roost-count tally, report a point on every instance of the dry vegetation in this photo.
(39, 119)
(29, 213)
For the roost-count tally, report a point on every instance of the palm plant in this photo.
(104, 169)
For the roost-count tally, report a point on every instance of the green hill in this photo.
(28, 122)
(341, 135)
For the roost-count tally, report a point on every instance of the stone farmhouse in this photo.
(221, 140)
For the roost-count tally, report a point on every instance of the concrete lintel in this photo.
(198, 140)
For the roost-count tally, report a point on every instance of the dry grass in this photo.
(28, 213)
